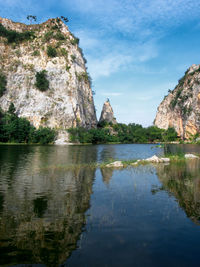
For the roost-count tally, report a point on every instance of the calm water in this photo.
(57, 210)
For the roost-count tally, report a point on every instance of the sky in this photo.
(136, 50)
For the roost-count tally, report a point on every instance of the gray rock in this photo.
(69, 101)
(107, 113)
(191, 156)
(156, 159)
(115, 164)
(170, 111)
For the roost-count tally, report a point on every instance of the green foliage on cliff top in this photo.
(19, 130)
(122, 133)
(15, 37)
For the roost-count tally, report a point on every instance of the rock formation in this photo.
(181, 107)
(107, 114)
(53, 50)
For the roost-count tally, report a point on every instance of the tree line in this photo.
(122, 133)
(14, 129)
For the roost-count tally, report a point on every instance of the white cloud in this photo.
(128, 16)
(109, 94)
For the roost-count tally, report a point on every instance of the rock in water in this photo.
(115, 164)
(181, 107)
(67, 99)
(191, 156)
(107, 114)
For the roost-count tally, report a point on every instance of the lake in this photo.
(58, 209)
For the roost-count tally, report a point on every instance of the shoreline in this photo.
(110, 143)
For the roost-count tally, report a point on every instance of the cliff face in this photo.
(68, 101)
(181, 108)
(107, 113)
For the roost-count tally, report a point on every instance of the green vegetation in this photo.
(19, 130)
(121, 133)
(51, 51)
(3, 83)
(41, 81)
(36, 53)
(84, 76)
(48, 35)
(59, 36)
(15, 37)
(63, 52)
(73, 58)
(52, 35)
(74, 41)
(31, 18)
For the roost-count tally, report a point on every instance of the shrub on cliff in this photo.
(41, 81)
(3, 83)
(13, 36)
(51, 51)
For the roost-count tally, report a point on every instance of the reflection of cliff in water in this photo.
(42, 203)
(183, 181)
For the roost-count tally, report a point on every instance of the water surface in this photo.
(57, 209)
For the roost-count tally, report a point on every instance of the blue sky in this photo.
(136, 49)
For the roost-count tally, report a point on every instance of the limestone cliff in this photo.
(181, 107)
(107, 113)
(68, 101)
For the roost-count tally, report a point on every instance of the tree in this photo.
(65, 19)
(41, 81)
(31, 18)
(11, 109)
(3, 83)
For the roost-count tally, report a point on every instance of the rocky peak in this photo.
(107, 113)
(181, 107)
(51, 50)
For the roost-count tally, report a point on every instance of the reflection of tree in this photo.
(183, 181)
(43, 211)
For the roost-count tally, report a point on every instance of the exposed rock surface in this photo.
(156, 159)
(107, 113)
(68, 101)
(115, 164)
(191, 156)
(181, 107)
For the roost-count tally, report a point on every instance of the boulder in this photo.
(156, 159)
(115, 164)
(191, 156)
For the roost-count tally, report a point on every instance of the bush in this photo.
(84, 76)
(43, 135)
(74, 41)
(48, 36)
(3, 83)
(36, 53)
(51, 51)
(15, 37)
(19, 130)
(59, 36)
(41, 81)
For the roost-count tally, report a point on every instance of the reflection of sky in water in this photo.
(144, 216)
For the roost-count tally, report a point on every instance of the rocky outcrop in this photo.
(181, 107)
(107, 114)
(68, 101)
